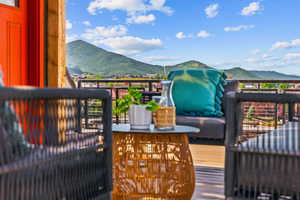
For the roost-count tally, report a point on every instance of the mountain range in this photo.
(84, 57)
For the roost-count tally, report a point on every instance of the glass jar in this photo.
(165, 116)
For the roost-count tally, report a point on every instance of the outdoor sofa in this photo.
(44, 151)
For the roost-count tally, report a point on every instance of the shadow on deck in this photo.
(209, 170)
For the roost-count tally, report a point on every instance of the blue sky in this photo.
(253, 34)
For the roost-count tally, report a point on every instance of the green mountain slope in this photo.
(240, 73)
(193, 64)
(86, 57)
(274, 75)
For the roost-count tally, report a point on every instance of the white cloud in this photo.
(87, 23)
(266, 56)
(69, 25)
(159, 5)
(131, 45)
(251, 9)
(255, 51)
(180, 35)
(264, 61)
(291, 56)
(280, 45)
(285, 45)
(212, 10)
(141, 19)
(295, 42)
(203, 34)
(129, 6)
(252, 60)
(160, 58)
(70, 38)
(101, 32)
(239, 28)
(126, 5)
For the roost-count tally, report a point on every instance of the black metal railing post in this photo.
(291, 112)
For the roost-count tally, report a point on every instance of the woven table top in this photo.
(125, 128)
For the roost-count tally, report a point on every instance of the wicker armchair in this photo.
(44, 151)
(212, 128)
(262, 146)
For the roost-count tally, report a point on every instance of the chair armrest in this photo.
(231, 114)
(38, 156)
(234, 112)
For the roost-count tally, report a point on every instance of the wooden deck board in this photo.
(209, 170)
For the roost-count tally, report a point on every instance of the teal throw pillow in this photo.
(198, 92)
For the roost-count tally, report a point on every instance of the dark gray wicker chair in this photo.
(44, 151)
(262, 160)
(211, 127)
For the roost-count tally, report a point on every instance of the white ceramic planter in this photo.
(139, 117)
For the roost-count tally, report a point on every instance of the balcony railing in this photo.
(150, 88)
(117, 89)
(269, 84)
(152, 85)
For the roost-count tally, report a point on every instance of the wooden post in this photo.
(56, 63)
(56, 43)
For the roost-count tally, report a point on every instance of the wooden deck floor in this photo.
(209, 167)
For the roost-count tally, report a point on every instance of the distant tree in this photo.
(94, 77)
(284, 86)
(98, 77)
(159, 77)
(268, 86)
(242, 85)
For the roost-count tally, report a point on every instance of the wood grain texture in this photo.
(208, 155)
(56, 43)
(56, 65)
(209, 170)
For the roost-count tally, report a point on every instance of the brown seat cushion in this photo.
(210, 127)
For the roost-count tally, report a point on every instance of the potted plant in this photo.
(140, 115)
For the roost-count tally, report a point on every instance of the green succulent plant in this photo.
(133, 97)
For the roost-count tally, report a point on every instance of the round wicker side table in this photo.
(152, 164)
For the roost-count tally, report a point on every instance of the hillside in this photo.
(85, 57)
(240, 73)
(274, 75)
(188, 65)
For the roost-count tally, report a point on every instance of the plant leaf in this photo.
(152, 106)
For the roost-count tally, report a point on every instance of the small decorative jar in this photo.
(165, 116)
